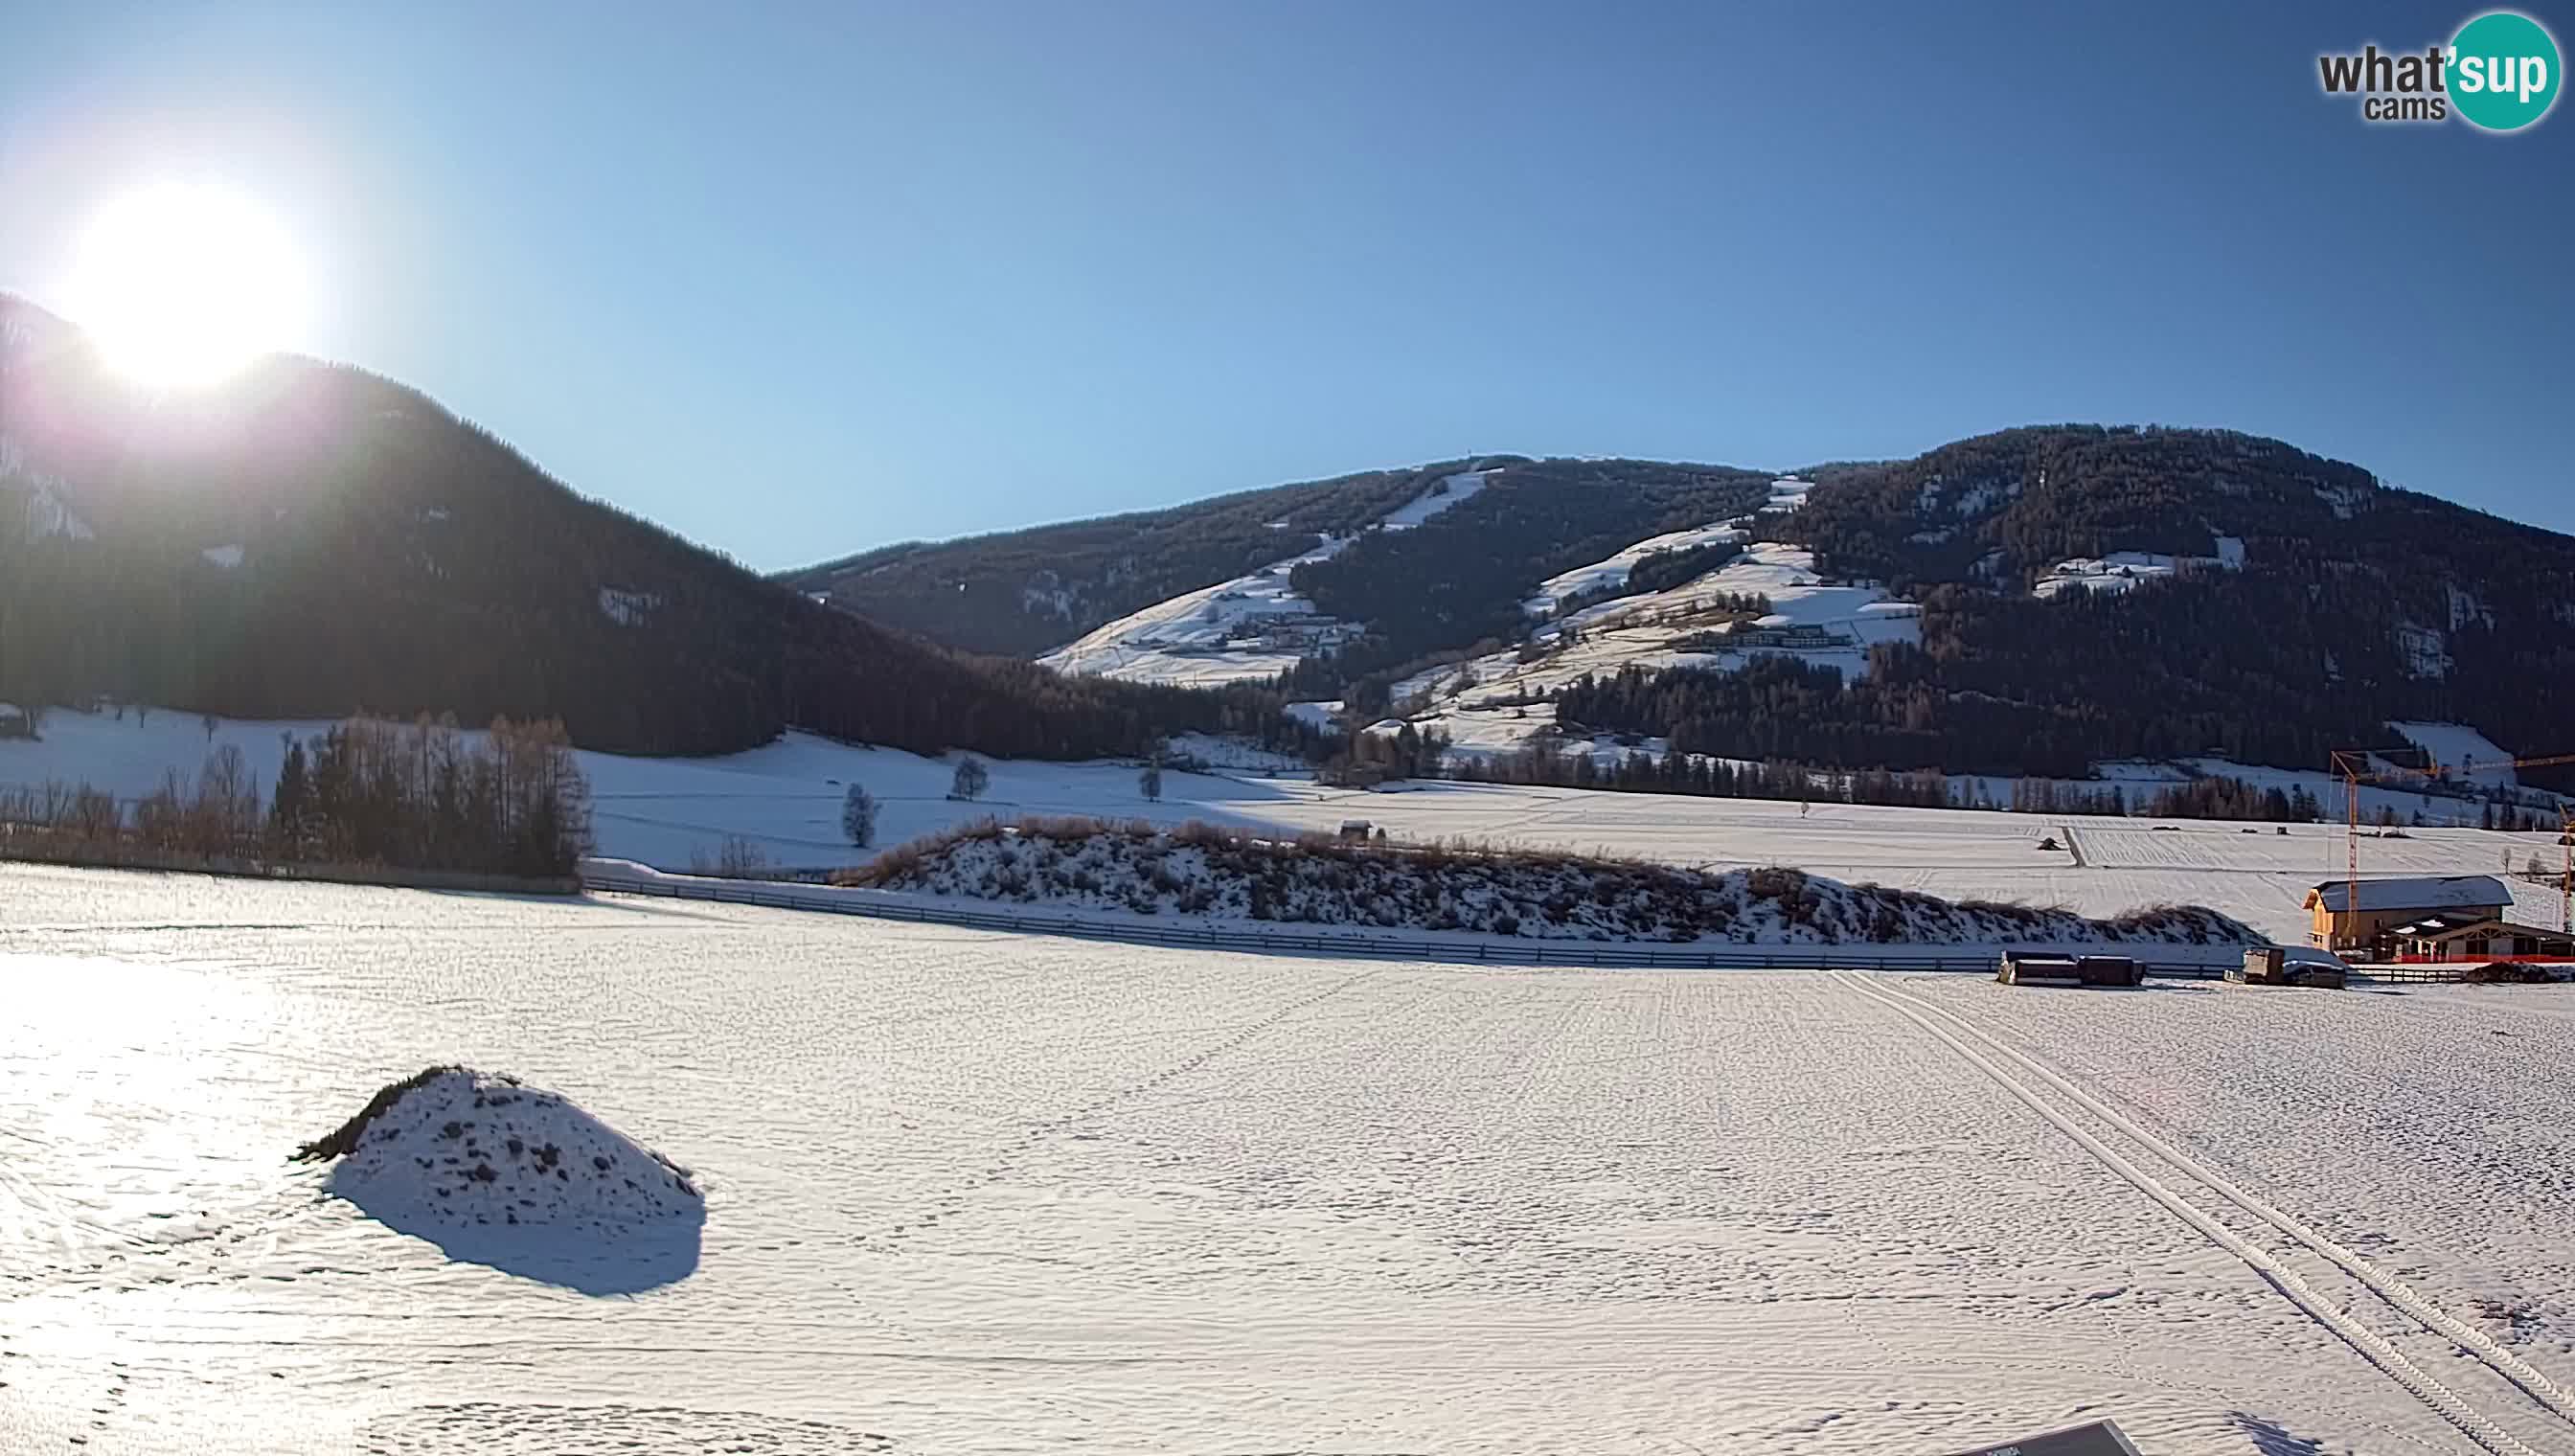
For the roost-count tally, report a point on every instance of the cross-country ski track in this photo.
(2031, 1081)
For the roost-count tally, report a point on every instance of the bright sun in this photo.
(182, 284)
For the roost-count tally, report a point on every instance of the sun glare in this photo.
(182, 285)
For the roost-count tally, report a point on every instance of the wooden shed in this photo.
(2110, 970)
(2043, 968)
(2283, 965)
(2028, 968)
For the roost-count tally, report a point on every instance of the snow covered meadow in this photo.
(971, 1192)
(786, 800)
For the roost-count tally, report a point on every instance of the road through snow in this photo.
(971, 1192)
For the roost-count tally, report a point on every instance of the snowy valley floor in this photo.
(969, 1192)
(784, 798)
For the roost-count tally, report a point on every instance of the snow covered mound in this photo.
(453, 1151)
(1206, 870)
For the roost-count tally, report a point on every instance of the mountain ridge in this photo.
(310, 540)
(2156, 548)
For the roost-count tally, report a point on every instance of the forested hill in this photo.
(2301, 605)
(1024, 592)
(2088, 593)
(1458, 579)
(310, 540)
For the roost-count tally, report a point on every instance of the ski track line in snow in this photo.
(2476, 1425)
(955, 1202)
(2534, 1383)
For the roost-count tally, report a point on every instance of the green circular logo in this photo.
(2503, 71)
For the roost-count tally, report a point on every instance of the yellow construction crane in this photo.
(2356, 766)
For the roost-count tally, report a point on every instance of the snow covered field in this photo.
(967, 1192)
(786, 798)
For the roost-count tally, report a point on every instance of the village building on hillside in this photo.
(2460, 936)
(2386, 906)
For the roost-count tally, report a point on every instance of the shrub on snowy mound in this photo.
(499, 1173)
(1204, 869)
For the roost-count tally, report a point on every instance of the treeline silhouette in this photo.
(422, 795)
(387, 556)
(1637, 771)
(2233, 799)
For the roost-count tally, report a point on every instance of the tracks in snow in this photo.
(2128, 1149)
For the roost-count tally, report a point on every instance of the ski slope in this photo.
(1494, 702)
(972, 1193)
(1250, 629)
(1612, 569)
(2462, 753)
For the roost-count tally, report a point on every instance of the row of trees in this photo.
(859, 809)
(1637, 771)
(509, 800)
(2234, 798)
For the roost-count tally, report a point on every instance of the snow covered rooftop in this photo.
(2422, 892)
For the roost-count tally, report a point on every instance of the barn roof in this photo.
(2424, 892)
(2453, 927)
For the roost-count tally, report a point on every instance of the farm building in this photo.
(2025, 968)
(2461, 937)
(1781, 632)
(16, 721)
(2289, 965)
(2336, 925)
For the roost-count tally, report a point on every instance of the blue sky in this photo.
(818, 278)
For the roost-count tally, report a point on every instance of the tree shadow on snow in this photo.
(587, 1260)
